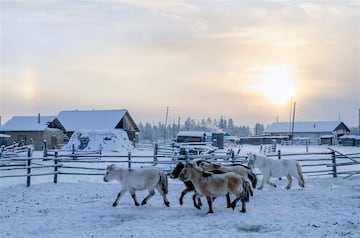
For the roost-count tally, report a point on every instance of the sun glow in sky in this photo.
(237, 59)
(277, 84)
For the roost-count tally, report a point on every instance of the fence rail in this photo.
(53, 164)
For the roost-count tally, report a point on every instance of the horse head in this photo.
(108, 176)
(177, 170)
(251, 160)
(185, 172)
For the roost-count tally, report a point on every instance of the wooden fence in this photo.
(54, 164)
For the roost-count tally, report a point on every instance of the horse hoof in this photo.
(167, 204)
(243, 210)
(114, 205)
(143, 203)
(209, 212)
(137, 204)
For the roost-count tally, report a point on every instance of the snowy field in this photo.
(81, 207)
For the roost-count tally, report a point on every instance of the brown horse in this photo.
(236, 168)
(189, 186)
(214, 185)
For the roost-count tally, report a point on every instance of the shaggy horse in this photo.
(276, 168)
(138, 179)
(214, 185)
(236, 168)
(189, 186)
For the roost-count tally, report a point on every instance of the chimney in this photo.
(38, 118)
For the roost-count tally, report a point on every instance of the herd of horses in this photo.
(206, 179)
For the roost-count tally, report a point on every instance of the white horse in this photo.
(138, 179)
(276, 168)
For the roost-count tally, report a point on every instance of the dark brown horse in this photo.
(189, 186)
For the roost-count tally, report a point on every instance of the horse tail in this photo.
(164, 182)
(252, 177)
(301, 176)
(247, 191)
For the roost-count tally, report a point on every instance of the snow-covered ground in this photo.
(82, 207)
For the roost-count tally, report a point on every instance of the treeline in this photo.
(162, 132)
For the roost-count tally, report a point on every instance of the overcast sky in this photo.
(200, 58)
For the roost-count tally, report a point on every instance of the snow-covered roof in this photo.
(4, 136)
(308, 126)
(192, 133)
(91, 119)
(27, 123)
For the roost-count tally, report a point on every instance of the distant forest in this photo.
(161, 132)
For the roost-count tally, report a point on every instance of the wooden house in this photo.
(79, 120)
(316, 132)
(34, 130)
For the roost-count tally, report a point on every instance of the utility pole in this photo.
(293, 122)
(166, 117)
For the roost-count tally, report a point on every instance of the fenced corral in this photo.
(55, 165)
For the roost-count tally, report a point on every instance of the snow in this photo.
(306, 126)
(109, 141)
(27, 123)
(94, 119)
(82, 207)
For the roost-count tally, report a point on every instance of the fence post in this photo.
(56, 167)
(45, 148)
(156, 148)
(129, 160)
(28, 168)
(333, 158)
(279, 157)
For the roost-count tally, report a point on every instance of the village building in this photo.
(56, 130)
(80, 120)
(315, 132)
(34, 130)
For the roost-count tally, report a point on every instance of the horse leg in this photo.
(151, 193)
(120, 194)
(166, 201)
(269, 182)
(228, 202)
(243, 205)
(265, 178)
(185, 191)
(182, 196)
(133, 195)
(210, 200)
(290, 181)
(196, 197)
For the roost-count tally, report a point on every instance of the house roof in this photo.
(308, 126)
(91, 119)
(27, 123)
(192, 133)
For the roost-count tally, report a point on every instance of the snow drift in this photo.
(106, 140)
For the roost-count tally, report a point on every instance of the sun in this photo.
(277, 83)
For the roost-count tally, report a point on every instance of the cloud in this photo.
(196, 56)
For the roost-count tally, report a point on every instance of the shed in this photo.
(311, 129)
(78, 120)
(34, 130)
